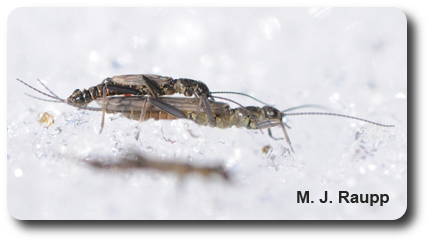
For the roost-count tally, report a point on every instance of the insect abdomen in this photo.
(156, 115)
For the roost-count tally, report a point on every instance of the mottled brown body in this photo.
(225, 117)
(136, 84)
(217, 114)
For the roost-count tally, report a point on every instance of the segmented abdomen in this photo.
(156, 115)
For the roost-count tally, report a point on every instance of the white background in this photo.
(350, 60)
(264, 95)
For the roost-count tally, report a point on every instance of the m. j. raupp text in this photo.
(346, 197)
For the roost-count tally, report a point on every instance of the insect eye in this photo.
(271, 112)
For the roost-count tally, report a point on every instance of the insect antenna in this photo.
(37, 98)
(31, 87)
(307, 106)
(304, 106)
(232, 101)
(55, 97)
(237, 93)
(334, 114)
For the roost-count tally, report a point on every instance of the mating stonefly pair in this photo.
(221, 114)
(151, 86)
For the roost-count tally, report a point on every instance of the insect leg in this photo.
(104, 108)
(286, 136)
(199, 106)
(167, 108)
(208, 110)
(274, 123)
(143, 111)
(142, 115)
(271, 135)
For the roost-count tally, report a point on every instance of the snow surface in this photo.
(352, 60)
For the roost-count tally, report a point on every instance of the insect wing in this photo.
(121, 104)
(137, 79)
(191, 104)
(160, 80)
(135, 103)
(172, 110)
(219, 108)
